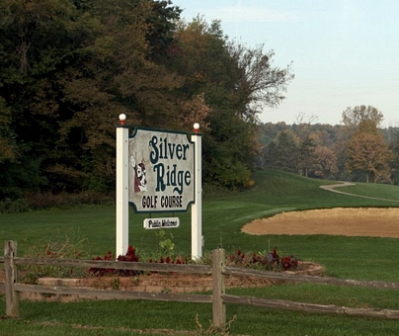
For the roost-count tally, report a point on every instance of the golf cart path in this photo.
(331, 187)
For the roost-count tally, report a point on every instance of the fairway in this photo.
(298, 202)
(91, 229)
(362, 222)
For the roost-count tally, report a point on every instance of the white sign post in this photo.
(122, 191)
(196, 208)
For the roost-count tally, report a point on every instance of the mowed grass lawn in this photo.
(366, 258)
(223, 218)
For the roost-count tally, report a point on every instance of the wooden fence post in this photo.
(12, 298)
(218, 289)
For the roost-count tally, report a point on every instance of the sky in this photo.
(343, 53)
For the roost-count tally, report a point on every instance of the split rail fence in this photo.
(11, 287)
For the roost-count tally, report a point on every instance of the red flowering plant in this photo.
(129, 256)
(289, 263)
(103, 271)
(132, 256)
(262, 260)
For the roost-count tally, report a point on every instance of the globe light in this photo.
(122, 118)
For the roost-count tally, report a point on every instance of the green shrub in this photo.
(49, 200)
(14, 206)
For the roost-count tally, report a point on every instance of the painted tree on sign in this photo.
(367, 153)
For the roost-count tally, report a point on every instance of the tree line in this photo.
(356, 150)
(68, 68)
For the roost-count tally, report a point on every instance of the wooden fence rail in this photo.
(218, 299)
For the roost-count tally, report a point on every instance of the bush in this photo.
(17, 206)
(132, 256)
(49, 200)
(262, 260)
(67, 200)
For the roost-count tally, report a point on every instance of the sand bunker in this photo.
(371, 222)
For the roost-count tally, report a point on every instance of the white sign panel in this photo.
(161, 223)
(161, 171)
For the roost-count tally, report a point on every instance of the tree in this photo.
(8, 149)
(69, 67)
(270, 154)
(394, 149)
(325, 163)
(306, 155)
(258, 83)
(368, 153)
(283, 152)
(229, 152)
(234, 80)
(352, 117)
(161, 26)
(323, 137)
(36, 38)
(268, 131)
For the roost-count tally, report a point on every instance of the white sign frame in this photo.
(122, 190)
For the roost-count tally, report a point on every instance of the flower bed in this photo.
(160, 283)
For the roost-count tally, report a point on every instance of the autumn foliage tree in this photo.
(235, 82)
(70, 67)
(324, 164)
(353, 116)
(356, 150)
(367, 153)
